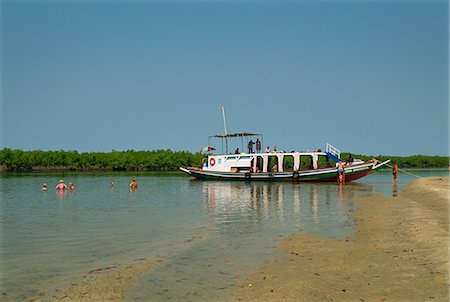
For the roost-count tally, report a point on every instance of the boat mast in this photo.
(225, 127)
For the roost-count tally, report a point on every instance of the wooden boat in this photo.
(281, 166)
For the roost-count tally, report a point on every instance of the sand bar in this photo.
(109, 283)
(399, 252)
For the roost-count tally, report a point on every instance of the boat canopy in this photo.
(243, 134)
(227, 136)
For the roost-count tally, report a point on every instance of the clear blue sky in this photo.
(368, 76)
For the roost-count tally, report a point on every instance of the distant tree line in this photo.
(115, 160)
(413, 161)
(18, 160)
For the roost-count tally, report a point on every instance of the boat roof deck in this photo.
(275, 153)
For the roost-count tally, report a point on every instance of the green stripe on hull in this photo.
(312, 175)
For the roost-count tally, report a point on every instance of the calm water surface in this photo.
(209, 234)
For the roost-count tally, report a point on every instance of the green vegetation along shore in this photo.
(413, 161)
(156, 160)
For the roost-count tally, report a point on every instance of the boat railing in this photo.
(333, 150)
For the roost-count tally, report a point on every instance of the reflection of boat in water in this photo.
(280, 166)
(304, 203)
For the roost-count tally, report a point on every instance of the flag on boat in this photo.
(207, 149)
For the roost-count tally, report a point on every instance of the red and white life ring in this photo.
(212, 161)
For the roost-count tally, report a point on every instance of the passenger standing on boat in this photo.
(395, 171)
(236, 151)
(250, 146)
(267, 150)
(133, 185)
(258, 146)
(341, 175)
(350, 159)
(274, 148)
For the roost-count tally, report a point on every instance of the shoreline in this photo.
(30, 169)
(5, 169)
(398, 252)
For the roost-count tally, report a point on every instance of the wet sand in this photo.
(399, 252)
(109, 283)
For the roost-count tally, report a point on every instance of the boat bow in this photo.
(377, 164)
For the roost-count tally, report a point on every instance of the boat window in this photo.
(288, 163)
(238, 157)
(273, 164)
(325, 162)
(306, 162)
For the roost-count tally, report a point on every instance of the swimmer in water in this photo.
(61, 186)
(71, 186)
(133, 185)
(44, 187)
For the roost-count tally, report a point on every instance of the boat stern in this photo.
(185, 170)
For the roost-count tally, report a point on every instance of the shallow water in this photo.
(210, 234)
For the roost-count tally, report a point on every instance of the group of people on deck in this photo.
(258, 146)
(61, 186)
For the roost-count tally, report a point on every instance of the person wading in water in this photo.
(341, 176)
(61, 186)
(133, 185)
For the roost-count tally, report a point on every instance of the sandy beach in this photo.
(399, 252)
